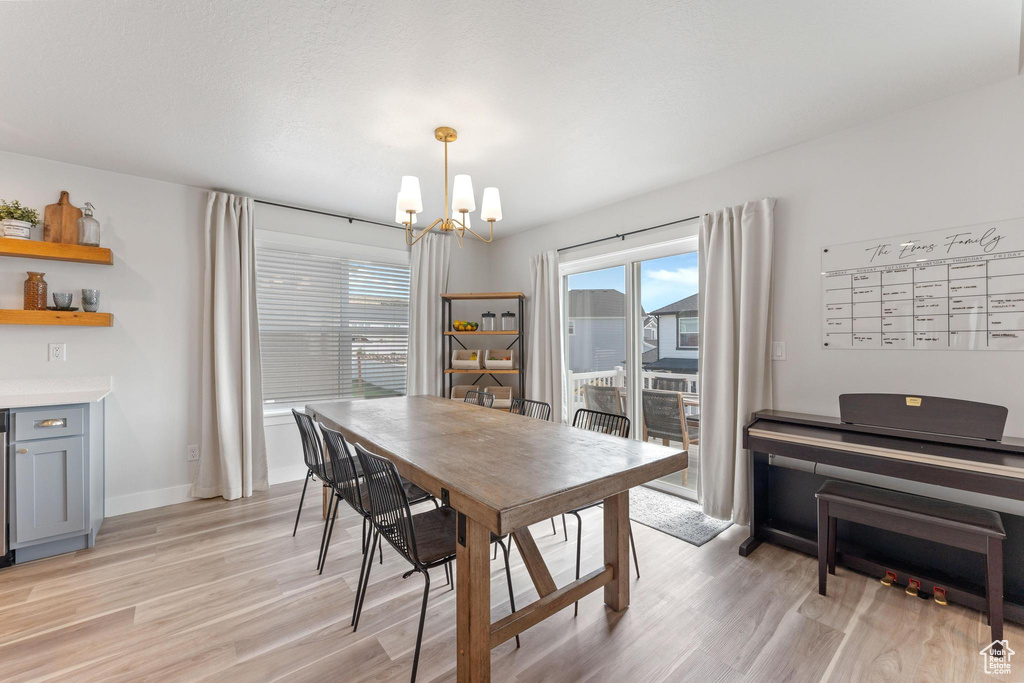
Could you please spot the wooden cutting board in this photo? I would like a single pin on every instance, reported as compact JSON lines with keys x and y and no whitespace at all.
{"x":60,"y":221}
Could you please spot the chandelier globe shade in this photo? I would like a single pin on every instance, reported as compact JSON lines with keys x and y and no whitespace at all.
{"x":401,"y":216}
{"x":490,"y":206}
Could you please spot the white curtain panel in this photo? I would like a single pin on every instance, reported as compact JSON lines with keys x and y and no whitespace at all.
{"x":544,"y":375}
{"x":428,"y":281}
{"x":233,"y":459}
{"x":735,"y":367}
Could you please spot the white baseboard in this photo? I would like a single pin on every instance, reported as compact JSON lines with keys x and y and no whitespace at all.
{"x":144,"y":500}
{"x":172,"y":495}
{"x":280,"y":475}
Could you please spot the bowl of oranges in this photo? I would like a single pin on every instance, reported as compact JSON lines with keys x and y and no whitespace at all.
{"x":465,"y":326}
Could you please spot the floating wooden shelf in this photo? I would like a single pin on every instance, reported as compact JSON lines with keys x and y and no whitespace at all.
{"x":482,"y":296}
{"x":54,"y":251}
{"x":483,"y":371}
{"x":509,"y":333}
{"x":80,"y":318}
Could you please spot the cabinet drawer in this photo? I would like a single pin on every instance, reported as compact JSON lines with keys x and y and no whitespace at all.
{"x":48,"y":487}
{"x":49,"y":423}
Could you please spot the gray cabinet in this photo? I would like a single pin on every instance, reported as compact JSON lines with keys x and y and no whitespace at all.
{"x":49,"y":478}
{"x":56,"y":479}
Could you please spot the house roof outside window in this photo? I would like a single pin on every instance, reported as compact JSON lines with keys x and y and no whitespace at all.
{"x":683,"y":306}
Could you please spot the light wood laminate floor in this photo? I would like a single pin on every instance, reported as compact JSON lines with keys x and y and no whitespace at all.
{"x":212,"y":590}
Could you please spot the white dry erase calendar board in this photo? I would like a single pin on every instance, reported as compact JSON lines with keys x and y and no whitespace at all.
{"x":959,"y":288}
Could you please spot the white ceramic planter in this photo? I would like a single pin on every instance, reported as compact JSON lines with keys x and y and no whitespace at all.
{"x":19,"y":230}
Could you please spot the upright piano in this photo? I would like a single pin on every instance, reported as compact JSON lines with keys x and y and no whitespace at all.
{"x":939,"y":447}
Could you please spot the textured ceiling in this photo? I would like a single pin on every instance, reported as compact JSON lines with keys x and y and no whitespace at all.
{"x":564,"y":106}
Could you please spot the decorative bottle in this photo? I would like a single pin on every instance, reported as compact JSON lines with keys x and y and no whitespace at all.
{"x":35,"y":292}
{"x":88,"y":227}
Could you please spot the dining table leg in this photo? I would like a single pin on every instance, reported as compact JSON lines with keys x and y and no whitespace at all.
{"x":616,"y":550}
{"x":473,"y":600}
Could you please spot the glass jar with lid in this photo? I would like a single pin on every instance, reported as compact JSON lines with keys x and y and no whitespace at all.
{"x":508,"y":321}
{"x":487,"y":321}
{"x":88,"y":228}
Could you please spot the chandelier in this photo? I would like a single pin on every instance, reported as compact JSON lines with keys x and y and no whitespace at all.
{"x":410,"y":202}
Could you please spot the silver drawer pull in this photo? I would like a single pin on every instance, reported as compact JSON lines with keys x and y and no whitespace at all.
{"x":53,"y":422}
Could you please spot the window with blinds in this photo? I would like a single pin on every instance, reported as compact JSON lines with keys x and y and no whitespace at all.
{"x":330,"y":327}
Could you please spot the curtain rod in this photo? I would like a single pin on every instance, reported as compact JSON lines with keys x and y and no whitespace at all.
{"x":624,"y":235}
{"x":327,"y":213}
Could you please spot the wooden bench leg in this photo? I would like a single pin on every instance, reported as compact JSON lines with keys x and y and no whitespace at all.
{"x":832,"y":545}
{"x":822,"y":545}
{"x":994,"y":586}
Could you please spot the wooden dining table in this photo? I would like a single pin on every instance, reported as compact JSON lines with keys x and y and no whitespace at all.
{"x":503,"y":472}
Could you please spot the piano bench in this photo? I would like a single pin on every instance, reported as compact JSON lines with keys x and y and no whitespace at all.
{"x":953,"y":524}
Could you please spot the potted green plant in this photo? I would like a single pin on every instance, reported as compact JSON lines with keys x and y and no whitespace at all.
{"x":16,"y":220}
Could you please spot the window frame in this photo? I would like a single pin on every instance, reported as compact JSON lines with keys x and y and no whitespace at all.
{"x":273,"y":239}
{"x":680,"y":333}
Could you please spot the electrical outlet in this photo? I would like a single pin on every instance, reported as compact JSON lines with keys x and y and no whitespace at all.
{"x":193,"y":453}
{"x":58,"y":352}
{"x":778,"y":350}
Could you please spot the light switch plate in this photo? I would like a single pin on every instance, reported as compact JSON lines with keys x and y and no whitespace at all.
{"x":778,"y":350}
{"x":58,"y":352}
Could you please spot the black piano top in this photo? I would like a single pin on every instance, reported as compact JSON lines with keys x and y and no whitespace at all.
{"x":1008,"y":444}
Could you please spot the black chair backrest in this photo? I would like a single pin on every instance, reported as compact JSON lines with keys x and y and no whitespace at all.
{"x":343,"y":468}
{"x":312,"y":451}
{"x":606,"y":423}
{"x":480,"y":398}
{"x":537,"y":409}
{"x":390,"y":515}
{"x":663,"y":415}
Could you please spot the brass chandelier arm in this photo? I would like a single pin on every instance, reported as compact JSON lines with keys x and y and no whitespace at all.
{"x":480,"y":237}
{"x":410,"y":235}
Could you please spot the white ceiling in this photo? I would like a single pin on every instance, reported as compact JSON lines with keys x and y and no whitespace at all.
{"x":564,"y":106}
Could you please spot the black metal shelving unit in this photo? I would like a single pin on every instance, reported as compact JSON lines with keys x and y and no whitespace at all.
{"x":450,"y":336}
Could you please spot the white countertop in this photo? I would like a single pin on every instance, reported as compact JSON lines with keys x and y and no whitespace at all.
{"x":53,"y":391}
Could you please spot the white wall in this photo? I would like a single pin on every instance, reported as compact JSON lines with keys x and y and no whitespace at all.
{"x":955,"y":162}
{"x":153,"y":289}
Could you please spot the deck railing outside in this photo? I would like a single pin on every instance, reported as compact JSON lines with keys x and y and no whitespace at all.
{"x":671,"y":381}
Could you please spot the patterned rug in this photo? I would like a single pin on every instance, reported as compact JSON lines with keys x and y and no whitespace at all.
{"x":674,"y":516}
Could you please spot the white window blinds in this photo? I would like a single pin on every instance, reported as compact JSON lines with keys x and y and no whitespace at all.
{"x":330,"y":327}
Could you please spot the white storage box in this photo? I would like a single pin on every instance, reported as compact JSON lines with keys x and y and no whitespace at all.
{"x":504,"y":359}
{"x":502,"y":397}
{"x":466,"y":359}
{"x":459,"y":391}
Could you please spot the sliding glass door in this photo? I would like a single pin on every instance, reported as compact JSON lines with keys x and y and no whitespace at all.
{"x":630,"y":338}
{"x":670,"y":402}
{"x":596,"y":340}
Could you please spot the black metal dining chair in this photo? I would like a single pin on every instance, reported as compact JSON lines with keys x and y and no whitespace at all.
{"x":605,"y":423}
{"x":529,"y":408}
{"x":479,"y":398}
{"x":426,"y":540}
{"x":312,"y":453}
{"x":346,"y":482}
